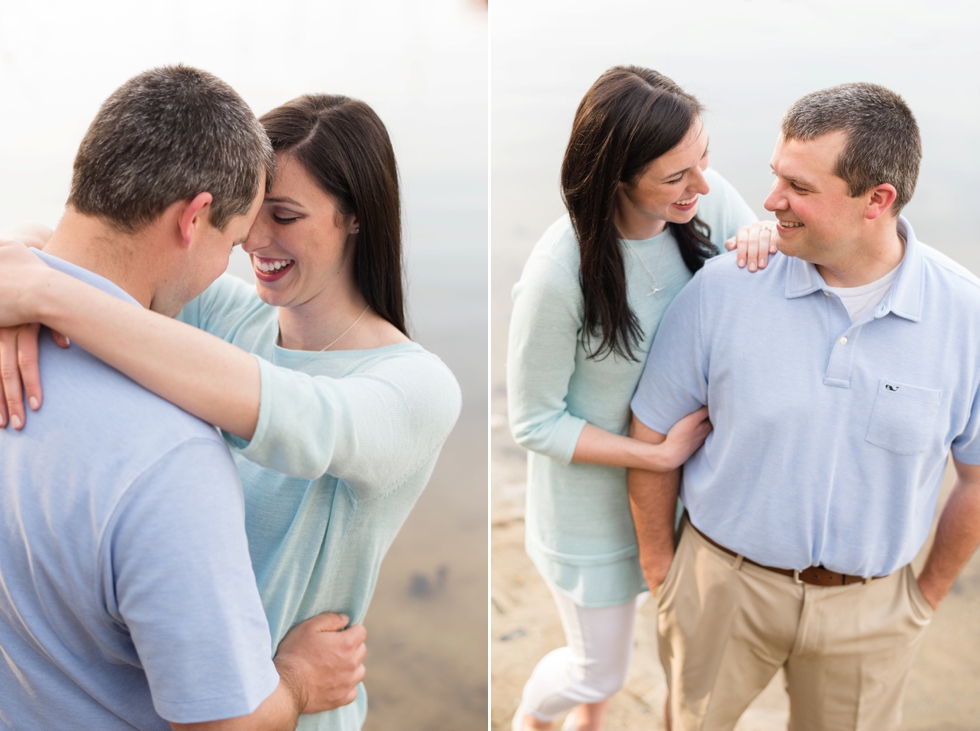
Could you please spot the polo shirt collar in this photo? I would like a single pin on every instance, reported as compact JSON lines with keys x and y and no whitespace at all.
{"x":905,"y":296}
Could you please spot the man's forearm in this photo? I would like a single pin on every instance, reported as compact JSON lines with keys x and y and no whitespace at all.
{"x":957,"y":536}
{"x":653,"y":501}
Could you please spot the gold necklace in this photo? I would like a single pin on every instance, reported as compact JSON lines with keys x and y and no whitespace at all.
{"x":335,"y":339}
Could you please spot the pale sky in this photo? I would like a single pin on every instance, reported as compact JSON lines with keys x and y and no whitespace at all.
{"x":421,"y":65}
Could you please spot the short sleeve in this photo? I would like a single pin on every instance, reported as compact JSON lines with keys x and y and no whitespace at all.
{"x":178,"y":577}
{"x":222,"y":305}
{"x":545,"y":328}
{"x":966,"y":445}
{"x":675,"y":378}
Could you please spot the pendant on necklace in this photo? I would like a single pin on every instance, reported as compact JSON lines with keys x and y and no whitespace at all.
{"x":654,"y":291}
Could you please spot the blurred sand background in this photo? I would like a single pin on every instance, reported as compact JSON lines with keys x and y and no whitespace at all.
{"x":423,"y":67}
{"x":746,"y":60}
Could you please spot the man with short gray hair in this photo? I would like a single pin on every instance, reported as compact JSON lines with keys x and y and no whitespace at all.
{"x":834,"y":415}
{"x":128,"y":598}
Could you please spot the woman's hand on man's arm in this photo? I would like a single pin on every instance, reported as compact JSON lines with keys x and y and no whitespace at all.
{"x":598,"y":446}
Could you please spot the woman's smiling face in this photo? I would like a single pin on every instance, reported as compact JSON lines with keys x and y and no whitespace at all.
{"x":667,"y":189}
{"x":299,"y":241}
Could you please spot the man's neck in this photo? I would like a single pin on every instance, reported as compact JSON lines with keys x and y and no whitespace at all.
{"x":870,"y":259}
{"x":96,"y":246}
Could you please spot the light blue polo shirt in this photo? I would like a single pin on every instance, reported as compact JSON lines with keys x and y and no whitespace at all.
{"x":830,"y":438}
{"x":126,"y":592}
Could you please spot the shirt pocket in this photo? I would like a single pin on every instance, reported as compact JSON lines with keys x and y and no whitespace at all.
{"x":903,"y":417}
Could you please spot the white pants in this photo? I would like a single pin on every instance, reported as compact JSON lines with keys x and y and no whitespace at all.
{"x":591,"y":668}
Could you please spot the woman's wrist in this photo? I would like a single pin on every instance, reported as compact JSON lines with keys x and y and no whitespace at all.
{"x":33,"y":235}
{"x":41,"y":294}
{"x":657,"y":457}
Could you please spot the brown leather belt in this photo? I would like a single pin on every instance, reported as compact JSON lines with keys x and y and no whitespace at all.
{"x":816,"y":575}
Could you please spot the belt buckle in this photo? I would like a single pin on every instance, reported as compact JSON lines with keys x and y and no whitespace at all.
{"x":796,"y":576}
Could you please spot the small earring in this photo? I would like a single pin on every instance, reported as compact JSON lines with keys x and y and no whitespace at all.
{"x":357,"y":230}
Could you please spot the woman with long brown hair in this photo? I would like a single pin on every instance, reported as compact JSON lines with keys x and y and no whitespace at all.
{"x":335,"y":416}
{"x":644,"y":213}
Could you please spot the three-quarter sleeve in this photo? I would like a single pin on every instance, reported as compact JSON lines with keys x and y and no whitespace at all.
{"x":372,"y":429}
{"x":544,"y":332}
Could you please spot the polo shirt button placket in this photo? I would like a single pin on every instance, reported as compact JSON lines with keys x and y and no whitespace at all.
{"x":842,"y":354}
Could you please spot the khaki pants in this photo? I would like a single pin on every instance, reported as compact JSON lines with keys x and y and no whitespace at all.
{"x":727,"y":626}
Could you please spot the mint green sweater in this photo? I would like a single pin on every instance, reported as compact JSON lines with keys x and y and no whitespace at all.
{"x":579,"y":532}
{"x":343,"y":447}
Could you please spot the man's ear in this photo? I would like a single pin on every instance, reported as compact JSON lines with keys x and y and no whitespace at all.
{"x":195,"y":214}
{"x":880,"y":199}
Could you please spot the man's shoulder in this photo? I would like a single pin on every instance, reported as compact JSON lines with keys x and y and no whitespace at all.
{"x":100,"y":441}
{"x":724,"y":295}
{"x":722,"y":271}
{"x":83,"y":395}
{"x":722,"y":265}
{"x":962,"y":280}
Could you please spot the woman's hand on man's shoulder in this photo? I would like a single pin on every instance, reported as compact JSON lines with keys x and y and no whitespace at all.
{"x":755,"y":243}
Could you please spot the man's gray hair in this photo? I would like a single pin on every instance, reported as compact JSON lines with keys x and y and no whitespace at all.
{"x":883,"y":144}
{"x":164,"y":136}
